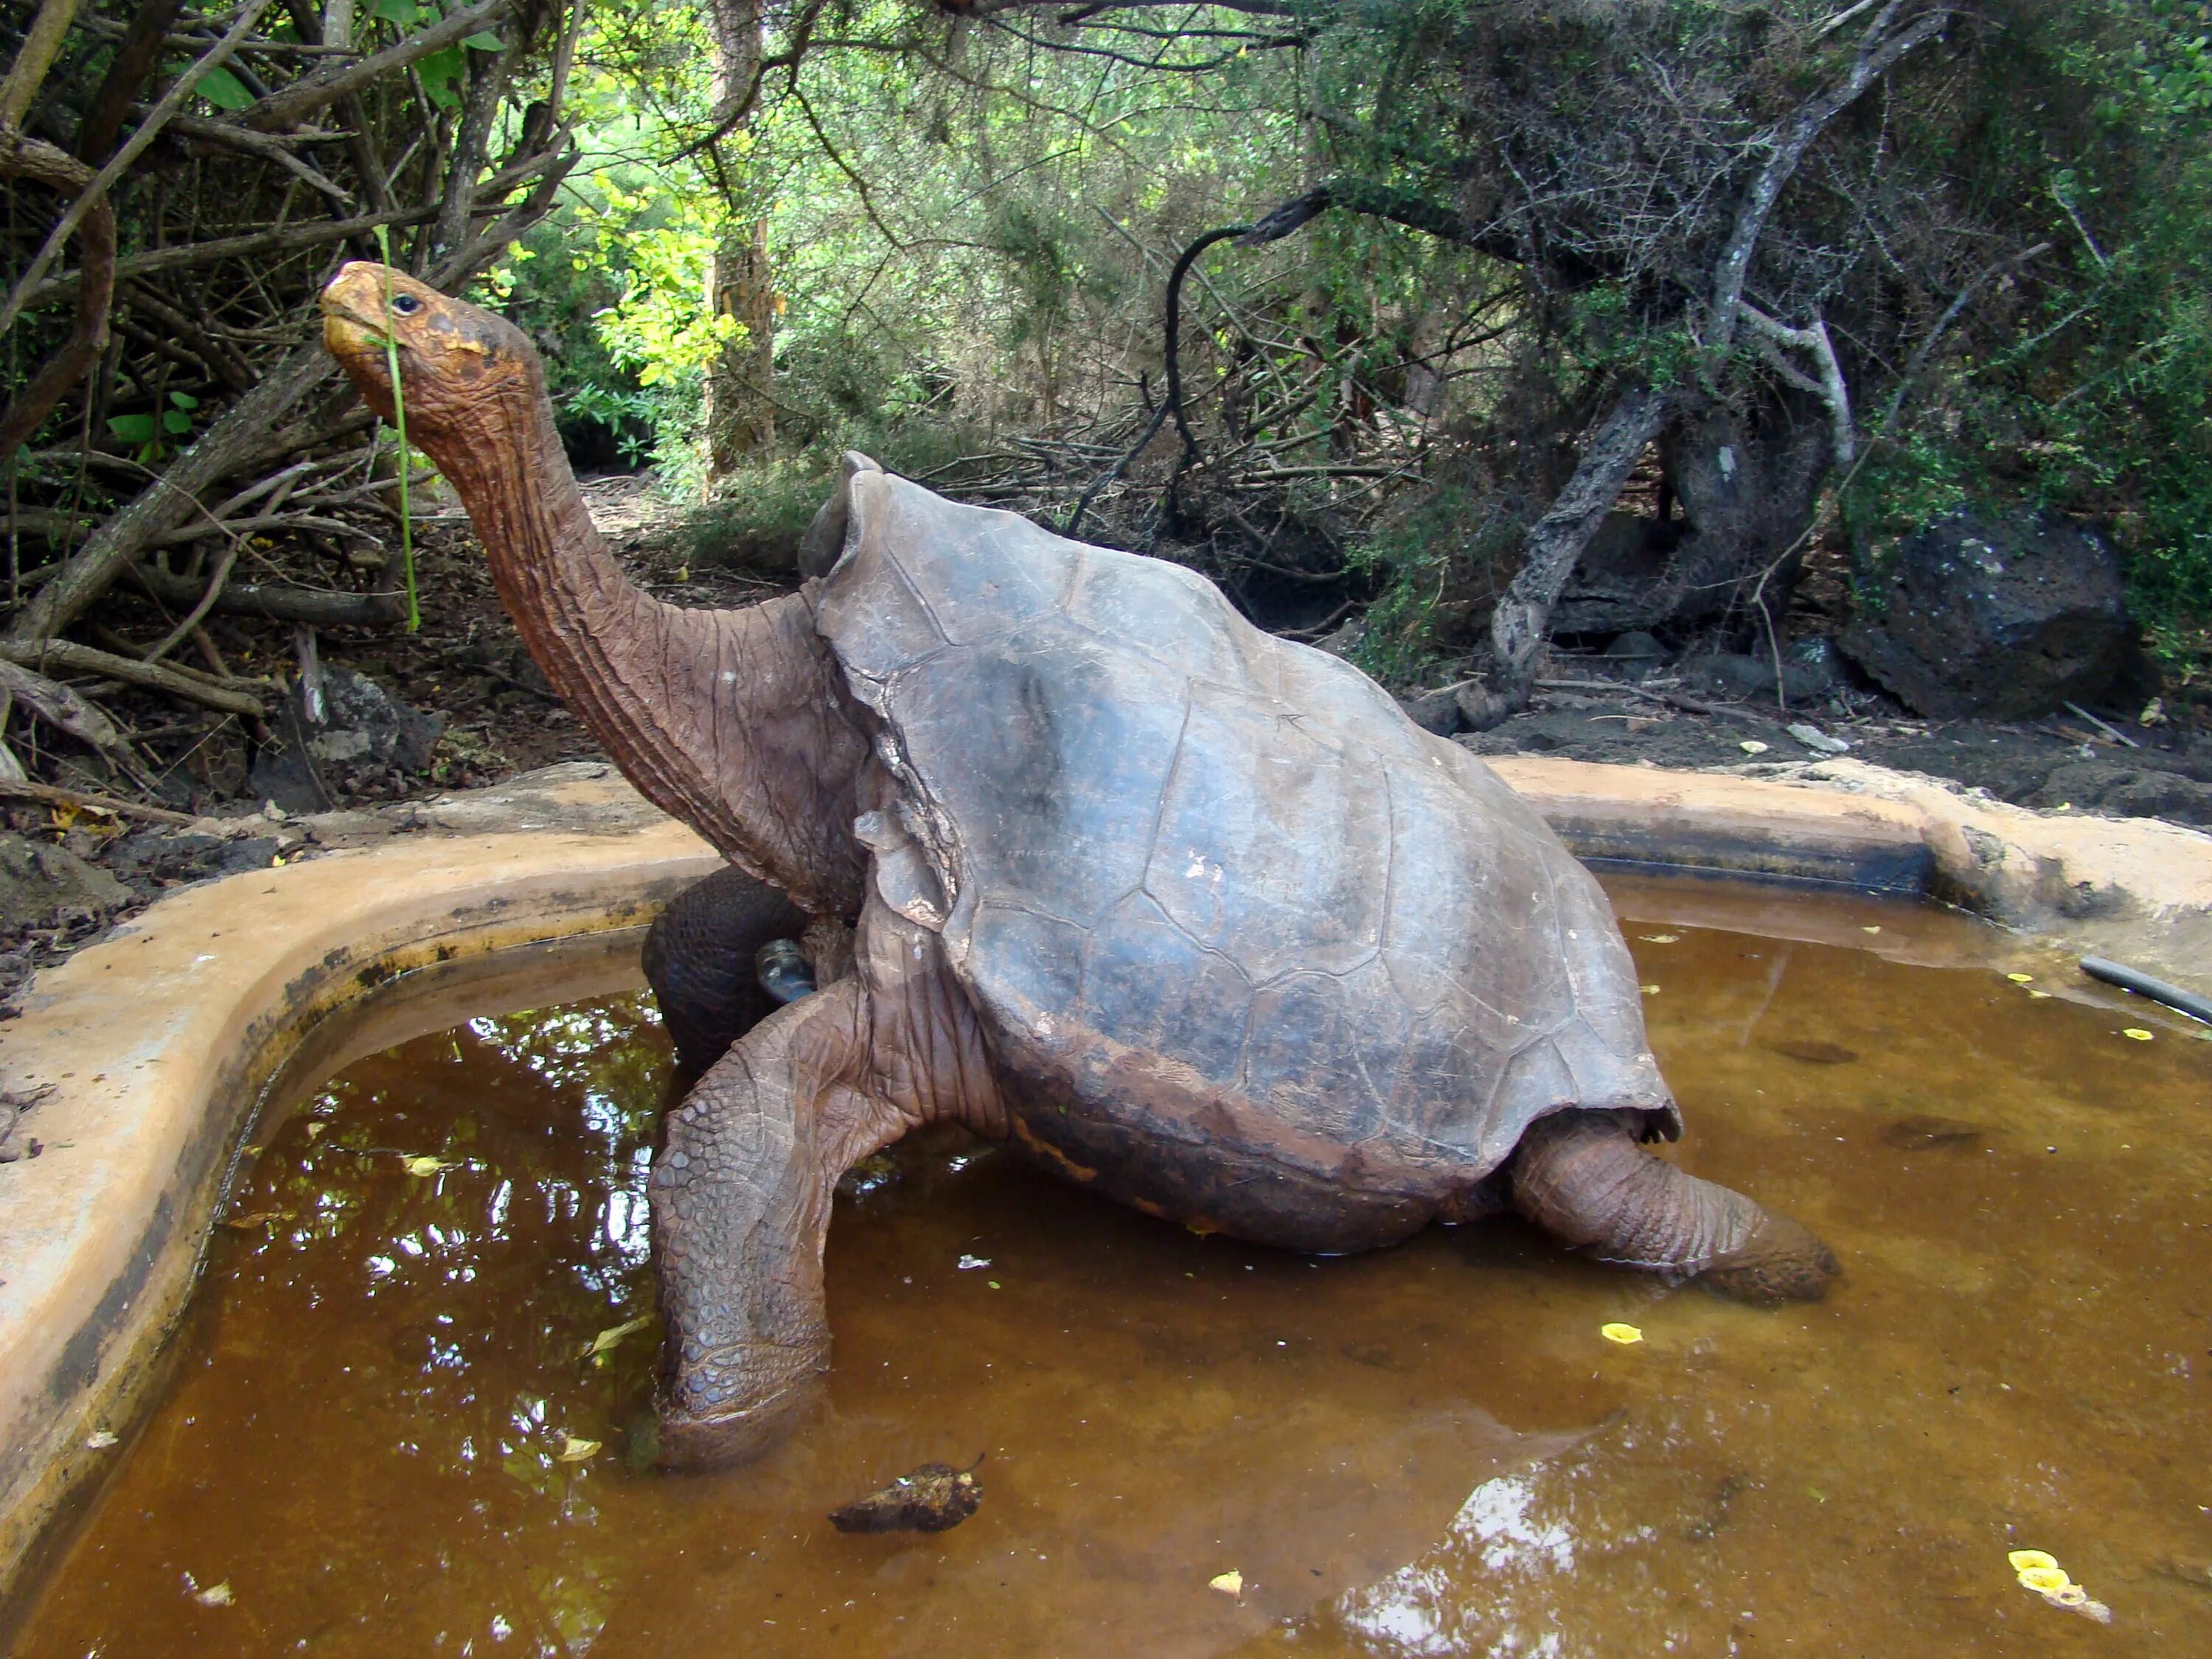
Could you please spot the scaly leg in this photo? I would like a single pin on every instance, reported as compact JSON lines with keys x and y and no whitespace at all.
{"x":1583,"y":1176}
{"x":741,"y":1194}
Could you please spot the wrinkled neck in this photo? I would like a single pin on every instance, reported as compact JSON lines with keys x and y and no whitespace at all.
{"x":735,"y":721}
{"x":583,"y":620}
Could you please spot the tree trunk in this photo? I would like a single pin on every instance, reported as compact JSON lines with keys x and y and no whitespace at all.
{"x":740,"y":412}
{"x":1555,"y":543}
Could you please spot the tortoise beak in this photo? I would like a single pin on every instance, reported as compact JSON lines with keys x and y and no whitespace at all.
{"x":354,"y":330}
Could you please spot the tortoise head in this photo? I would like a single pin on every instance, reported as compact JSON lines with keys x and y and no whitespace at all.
{"x":463,"y":371}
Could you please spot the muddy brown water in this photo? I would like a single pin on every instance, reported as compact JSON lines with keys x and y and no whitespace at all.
{"x":1426,"y":1450}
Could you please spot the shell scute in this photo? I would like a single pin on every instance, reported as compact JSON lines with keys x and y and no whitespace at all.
{"x":1051,"y":750}
{"x":1332,"y":1044}
{"x":1249,"y":785}
{"x":1153,"y":987}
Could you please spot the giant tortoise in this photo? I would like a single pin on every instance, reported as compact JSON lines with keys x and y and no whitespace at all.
{"x":1188,"y":913}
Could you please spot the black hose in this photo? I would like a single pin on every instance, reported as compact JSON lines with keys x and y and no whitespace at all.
{"x":2143,"y":985}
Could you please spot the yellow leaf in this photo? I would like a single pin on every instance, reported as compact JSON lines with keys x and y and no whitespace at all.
{"x":1649,"y":990}
{"x":2041,"y":996}
{"x":2021,"y":979}
{"x":2021,"y":1560}
{"x":574,"y":1449}
{"x":315,"y":1129}
{"x":2044,"y":1581}
{"x":2137,"y":1033}
{"x":1229,"y":1583}
{"x":1660,"y":938}
{"x":1869,"y":930}
{"x":426,"y":1166}
{"x":1624,"y":1334}
{"x":215,"y":1595}
{"x":607,"y":1341}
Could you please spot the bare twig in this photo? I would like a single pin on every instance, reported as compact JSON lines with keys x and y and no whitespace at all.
{"x":149,"y":130}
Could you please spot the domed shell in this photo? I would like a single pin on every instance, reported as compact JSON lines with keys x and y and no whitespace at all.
{"x":1253,"y":949}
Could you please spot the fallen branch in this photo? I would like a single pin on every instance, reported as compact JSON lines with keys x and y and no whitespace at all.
{"x":48,"y":794}
{"x":317,"y":606}
{"x":72,"y":658}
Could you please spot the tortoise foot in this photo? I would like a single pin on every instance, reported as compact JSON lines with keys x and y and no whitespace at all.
{"x":1783,"y":1261}
{"x":718,"y":1416}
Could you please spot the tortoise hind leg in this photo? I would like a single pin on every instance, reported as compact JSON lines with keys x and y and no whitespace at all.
{"x":741,"y":1196}
{"x":1585,"y":1177}
{"x":699,"y":959}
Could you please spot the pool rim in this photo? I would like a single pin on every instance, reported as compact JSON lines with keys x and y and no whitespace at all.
{"x":101,"y":1239}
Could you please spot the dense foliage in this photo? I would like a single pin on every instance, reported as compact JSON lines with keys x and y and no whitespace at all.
{"x":1900,"y":257}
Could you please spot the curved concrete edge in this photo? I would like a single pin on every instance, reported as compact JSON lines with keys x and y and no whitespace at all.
{"x":2137,"y":889}
{"x":101,"y":1237}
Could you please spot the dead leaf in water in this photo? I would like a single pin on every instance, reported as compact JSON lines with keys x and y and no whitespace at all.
{"x":607,"y":1341}
{"x":1624,"y":1334}
{"x":1229,"y":1583}
{"x":1816,"y":1054}
{"x":2137,"y":1034}
{"x":935,"y":1497}
{"x":1660,"y":938}
{"x":98,"y":1440}
{"x":1927,"y":1133}
{"x":427,"y":1165}
{"x":253,"y":1219}
{"x":215,"y":1595}
{"x":576,"y":1449}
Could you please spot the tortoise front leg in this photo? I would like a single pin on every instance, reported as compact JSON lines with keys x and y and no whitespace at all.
{"x":741,"y":1196}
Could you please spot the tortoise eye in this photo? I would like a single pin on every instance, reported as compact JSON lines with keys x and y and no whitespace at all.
{"x":406,"y":304}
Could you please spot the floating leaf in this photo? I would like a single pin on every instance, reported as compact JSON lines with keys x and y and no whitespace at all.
{"x":1751,"y":746}
{"x":1649,"y":990}
{"x":1660,"y":938}
{"x":2044,"y":1581}
{"x":967,"y":1262}
{"x":2021,"y":1560}
{"x":2021,"y":979}
{"x":1229,"y":1583}
{"x":1624,"y":1334}
{"x":427,"y":1165}
{"x":2137,"y":1033}
{"x":607,"y":1341}
{"x":98,"y":1440}
{"x":1869,"y":930}
{"x":576,"y":1449}
{"x":316,"y":1129}
{"x":993,"y":1283}
{"x":215,"y":1595}
{"x":2040,"y":996}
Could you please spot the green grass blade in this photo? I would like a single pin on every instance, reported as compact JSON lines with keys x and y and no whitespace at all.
{"x":399,"y":422}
